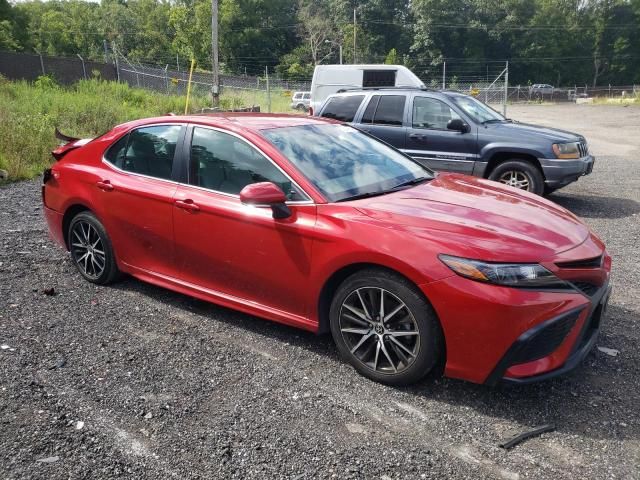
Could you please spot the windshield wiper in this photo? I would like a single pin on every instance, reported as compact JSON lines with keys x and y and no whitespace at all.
{"x":363,"y":195}
{"x":400,"y":186}
{"x":408,"y":183}
{"x":497,"y":120}
{"x":493,"y":120}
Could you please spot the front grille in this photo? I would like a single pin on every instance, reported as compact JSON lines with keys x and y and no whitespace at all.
{"x":583,"y":149}
{"x":544,"y":341}
{"x":589,"y":289}
{"x":595,"y":262}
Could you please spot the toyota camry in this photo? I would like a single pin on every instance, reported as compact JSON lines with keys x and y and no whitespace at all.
{"x":317,"y":225}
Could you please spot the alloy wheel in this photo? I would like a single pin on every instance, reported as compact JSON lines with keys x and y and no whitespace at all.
{"x":379,"y":330}
{"x":87,"y":249}
{"x":515,"y":178}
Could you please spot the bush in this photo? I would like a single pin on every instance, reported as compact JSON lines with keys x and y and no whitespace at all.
{"x":30,"y":112}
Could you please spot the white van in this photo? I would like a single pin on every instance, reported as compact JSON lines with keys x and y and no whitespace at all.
{"x":328,"y":79}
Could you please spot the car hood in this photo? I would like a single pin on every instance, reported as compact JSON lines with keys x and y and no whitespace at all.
{"x":511,"y":129}
{"x":466,"y":215}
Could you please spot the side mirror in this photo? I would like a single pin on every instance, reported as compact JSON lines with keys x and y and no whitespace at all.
{"x":266,"y":194}
{"x":458,"y":125}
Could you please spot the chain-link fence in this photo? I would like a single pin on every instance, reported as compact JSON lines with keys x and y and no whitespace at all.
{"x":236,"y":91}
{"x":65,"y":70}
{"x":489,"y":83}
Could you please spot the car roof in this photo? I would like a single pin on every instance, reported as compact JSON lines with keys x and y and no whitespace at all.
{"x":237,"y":120}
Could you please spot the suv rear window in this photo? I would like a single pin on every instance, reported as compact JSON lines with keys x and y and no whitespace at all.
{"x":342,"y":108}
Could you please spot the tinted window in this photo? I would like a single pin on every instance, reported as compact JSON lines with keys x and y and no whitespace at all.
{"x":306,"y":96}
{"x":342,"y":161}
{"x":149,"y":151}
{"x":343,"y":108}
{"x":431,"y":113}
{"x":115,"y":155}
{"x":390,"y":110}
{"x":379,"y":78}
{"x":367,"y":116}
{"x":224,"y":163}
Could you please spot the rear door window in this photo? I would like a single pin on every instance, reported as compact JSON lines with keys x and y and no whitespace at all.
{"x":390,"y":110}
{"x":115,"y":154}
{"x":342,"y":108}
{"x":367,"y":116}
{"x":147,"y":151}
{"x":150,"y":150}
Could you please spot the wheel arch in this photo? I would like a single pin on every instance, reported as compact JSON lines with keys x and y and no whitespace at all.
{"x":498,"y":157}
{"x":69,"y":213}
{"x":332,"y":283}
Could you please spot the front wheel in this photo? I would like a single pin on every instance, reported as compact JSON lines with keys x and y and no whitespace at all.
{"x":91,"y":249}
{"x":519,"y":174}
{"x":385,"y":328}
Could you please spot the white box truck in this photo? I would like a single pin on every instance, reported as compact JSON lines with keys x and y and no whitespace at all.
{"x":328,"y":79}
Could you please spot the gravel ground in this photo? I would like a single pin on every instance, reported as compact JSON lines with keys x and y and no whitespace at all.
{"x":134,"y":381}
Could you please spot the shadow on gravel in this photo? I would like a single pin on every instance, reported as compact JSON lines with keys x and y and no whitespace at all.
{"x":321,"y":344}
{"x":591,"y":401}
{"x":596,"y":206}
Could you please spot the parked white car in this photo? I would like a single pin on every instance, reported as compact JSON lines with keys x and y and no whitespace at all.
{"x":329,"y":79}
{"x":301,"y":100}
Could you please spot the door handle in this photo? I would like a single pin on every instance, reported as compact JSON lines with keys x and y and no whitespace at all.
{"x":104,"y":185}
{"x":418,"y":136}
{"x":187,"y":205}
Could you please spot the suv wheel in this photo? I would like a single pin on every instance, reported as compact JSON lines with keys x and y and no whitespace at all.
{"x":385,"y":328}
{"x":519,"y":174}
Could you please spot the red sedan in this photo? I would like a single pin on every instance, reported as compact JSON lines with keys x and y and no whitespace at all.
{"x":318,"y":225}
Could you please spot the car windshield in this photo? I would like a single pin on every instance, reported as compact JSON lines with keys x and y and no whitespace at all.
{"x":345,"y":163}
{"x":477,"y":110}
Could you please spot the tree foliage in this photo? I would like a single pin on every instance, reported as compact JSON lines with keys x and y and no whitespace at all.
{"x":562,"y":42}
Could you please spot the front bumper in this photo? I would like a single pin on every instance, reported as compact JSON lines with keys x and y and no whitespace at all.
{"x":582,"y":345}
{"x":560,"y":172}
{"x":495,"y":333}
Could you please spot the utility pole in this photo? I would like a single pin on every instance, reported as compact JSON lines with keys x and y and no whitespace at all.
{"x":215,"y":89}
{"x":506,"y":89}
{"x":266,"y":74}
{"x":106,"y":51}
{"x":354,"y":35}
{"x":444,"y":75}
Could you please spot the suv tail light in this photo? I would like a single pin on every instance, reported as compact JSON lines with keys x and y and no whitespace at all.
{"x":311,"y":111}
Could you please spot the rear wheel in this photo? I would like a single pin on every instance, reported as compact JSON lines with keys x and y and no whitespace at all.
{"x":519,"y":174}
{"x":385,"y":328}
{"x":91,"y":249}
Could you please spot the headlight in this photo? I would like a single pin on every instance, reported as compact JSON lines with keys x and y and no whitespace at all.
{"x":566,"y":150}
{"x":507,"y":274}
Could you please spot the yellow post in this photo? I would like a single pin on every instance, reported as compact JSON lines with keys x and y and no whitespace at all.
{"x":186,"y":105}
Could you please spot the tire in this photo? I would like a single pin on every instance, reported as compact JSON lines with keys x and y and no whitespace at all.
{"x":85,"y":236}
{"x":415,"y":326}
{"x":518,"y":172}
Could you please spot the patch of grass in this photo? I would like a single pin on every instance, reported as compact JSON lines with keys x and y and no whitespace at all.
{"x":29,"y":112}
{"x":628,"y":100}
